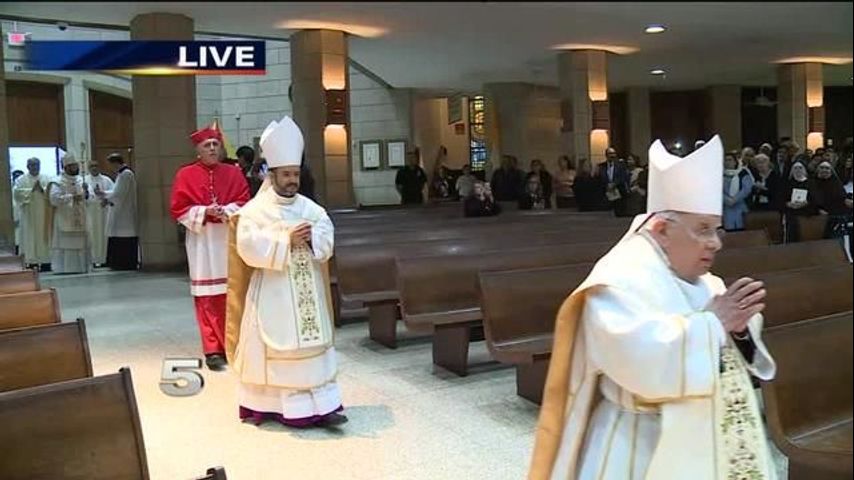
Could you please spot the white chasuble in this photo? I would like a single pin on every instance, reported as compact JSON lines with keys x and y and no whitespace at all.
{"x":33,"y":210}
{"x":96,"y":217}
{"x":286,"y":330}
{"x":654,"y":389}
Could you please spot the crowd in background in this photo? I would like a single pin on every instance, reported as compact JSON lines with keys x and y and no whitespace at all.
{"x":786,"y":178}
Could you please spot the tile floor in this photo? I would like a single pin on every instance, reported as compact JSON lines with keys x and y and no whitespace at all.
{"x":407,"y":421}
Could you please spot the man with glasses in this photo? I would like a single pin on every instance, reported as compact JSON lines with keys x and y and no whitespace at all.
{"x":650,"y":369}
{"x":205,"y":194}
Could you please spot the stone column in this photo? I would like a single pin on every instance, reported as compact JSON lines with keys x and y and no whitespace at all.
{"x":523,"y":120}
{"x":640,"y":130}
{"x":319,"y":63}
{"x":724,"y":116}
{"x":164,"y":114}
{"x":799,"y":87}
{"x":7,"y":225}
{"x":583,"y":80}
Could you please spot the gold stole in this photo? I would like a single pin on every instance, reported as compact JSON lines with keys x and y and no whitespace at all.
{"x":740,"y":441}
{"x":304,"y":290}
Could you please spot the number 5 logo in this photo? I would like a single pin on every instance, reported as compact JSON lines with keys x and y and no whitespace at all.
{"x":177,"y":369}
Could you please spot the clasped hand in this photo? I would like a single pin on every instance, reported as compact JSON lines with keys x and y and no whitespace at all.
{"x":301,"y":234}
{"x":741,"y":301}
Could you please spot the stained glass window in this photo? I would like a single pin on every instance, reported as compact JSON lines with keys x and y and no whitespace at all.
{"x":477,"y":134}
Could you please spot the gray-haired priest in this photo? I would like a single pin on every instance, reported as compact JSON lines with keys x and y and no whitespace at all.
{"x":279,"y":323}
{"x":650,"y":372}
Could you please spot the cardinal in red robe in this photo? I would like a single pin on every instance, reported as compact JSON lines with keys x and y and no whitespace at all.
{"x":205,"y":193}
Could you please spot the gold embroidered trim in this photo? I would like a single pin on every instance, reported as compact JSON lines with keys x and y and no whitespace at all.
{"x":301,"y":274}
{"x":739,"y":426}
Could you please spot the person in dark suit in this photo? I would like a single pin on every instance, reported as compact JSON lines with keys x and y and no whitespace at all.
{"x":410,"y":180}
{"x":615,"y":178}
{"x":508,"y":181}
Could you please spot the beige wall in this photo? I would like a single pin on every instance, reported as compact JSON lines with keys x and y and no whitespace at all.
{"x":431,"y":130}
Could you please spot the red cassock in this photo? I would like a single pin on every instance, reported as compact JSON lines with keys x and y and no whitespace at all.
{"x":198,"y":186}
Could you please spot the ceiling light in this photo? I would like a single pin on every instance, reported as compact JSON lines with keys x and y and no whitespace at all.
{"x":655,"y":28}
{"x":616,"y":49}
{"x":827,"y":60}
{"x":364,"y":31}
{"x":657,"y":71}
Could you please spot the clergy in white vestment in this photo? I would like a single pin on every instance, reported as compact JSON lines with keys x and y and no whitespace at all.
{"x":96,"y":212}
{"x":649,"y":377}
{"x":279,"y":332}
{"x":69,"y":252}
{"x":30,"y":194}
{"x":122,"y":226}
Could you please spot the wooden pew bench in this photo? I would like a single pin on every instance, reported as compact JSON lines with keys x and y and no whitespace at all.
{"x":28,"y":309}
{"x":809,"y":404}
{"x":770,"y":221}
{"x":440,"y":294}
{"x":519,"y":310}
{"x":735,"y":261}
{"x":78,"y":429}
{"x":369,"y":274}
{"x":33,"y":356}
{"x":11,"y":263}
{"x":17,"y":282}
{"x":795,"y":295}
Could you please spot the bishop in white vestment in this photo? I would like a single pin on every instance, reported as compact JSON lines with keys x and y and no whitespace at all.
{"x":30,"y":194}
{"x":279,"y":332}
{"x":96,"y":212}
{"x":649,"y":374}
{"x":68,"y":246}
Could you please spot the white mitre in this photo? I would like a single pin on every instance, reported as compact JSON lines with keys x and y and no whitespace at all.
{"x":69,"y":159}
{"x":691,"y":184}
{"x":282,"y":144}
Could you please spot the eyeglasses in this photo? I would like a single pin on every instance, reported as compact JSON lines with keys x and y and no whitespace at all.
{"x":705,"y":235}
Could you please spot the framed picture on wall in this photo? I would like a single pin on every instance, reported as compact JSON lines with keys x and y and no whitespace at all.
{"x":396,"y":153}
{"x":370,"y":151}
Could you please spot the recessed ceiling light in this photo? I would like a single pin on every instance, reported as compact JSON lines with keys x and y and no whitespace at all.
{"x":657,"y":71}
{"x":655,"y":28}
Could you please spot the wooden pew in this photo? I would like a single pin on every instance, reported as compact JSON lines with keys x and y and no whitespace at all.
{"x":809,"y":404}
{"x":517,"y":330}
{"x":519,"y":310}
{"x":795,"y":295}
{"x":17,"y":282}
{"x":746,"y":238}
{"x":78,"y":429}
{"x":440,"y":294}
{"x":811,"y":228}
{"x":11,"y":263}
{"x":29,"y":309}
{"x":770,"y":221}
{"x":436,"y":231}
{"x":368,"y":274}
{"x":33,"y":356}
{"x":730,"y":262}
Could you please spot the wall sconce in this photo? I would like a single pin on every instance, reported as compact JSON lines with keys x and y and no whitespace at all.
{"x":816,"y":119}
{"x":336,"y":107}
{"x":815,"y":127}
{"x":600,"y":115}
